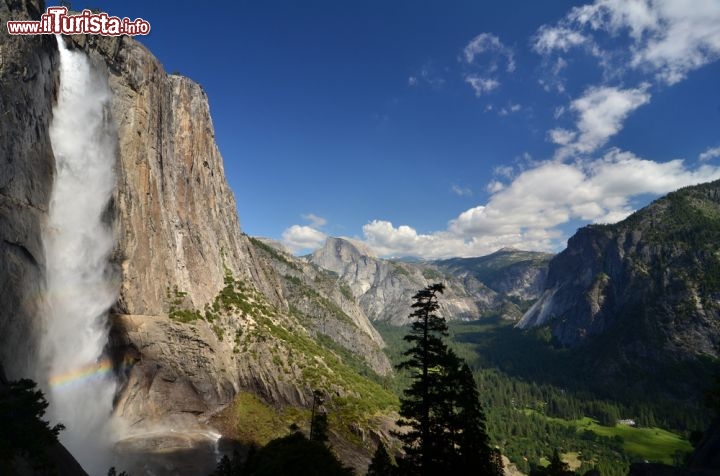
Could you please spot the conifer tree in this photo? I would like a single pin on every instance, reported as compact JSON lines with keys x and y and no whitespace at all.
{"x":318,"y":419}
{"x":320,"y":428}
{"x":420,"y":405}
{"x":295,"y":455}
{"x":381,"y":464}
{"x":23,"y":432}
{"x":441,"y":409}
{"x":224,"y":468}
{"x":712,"y":397}
{"x":473,"y":443}
{"x":557,"y":467}
{"x":227,"y":466}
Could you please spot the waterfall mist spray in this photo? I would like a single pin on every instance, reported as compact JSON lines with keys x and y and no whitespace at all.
{"x":80,"y":284}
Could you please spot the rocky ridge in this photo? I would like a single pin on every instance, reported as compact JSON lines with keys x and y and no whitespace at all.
{"x":383,"y":288}
{"x":638,"y":302}
{"x":654,"y":276}
{"x":514,"y":273}
{"x":325,"y":304}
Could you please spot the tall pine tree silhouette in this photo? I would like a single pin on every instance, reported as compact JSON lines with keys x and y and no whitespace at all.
{"x":420,"y":406}
{"x":440,"y":410}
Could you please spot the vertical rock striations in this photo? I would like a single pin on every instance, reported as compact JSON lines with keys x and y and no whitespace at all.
{"x":176,"y":228}
{"x":181,"y":252}
{"x":177,"y":221}
{"x":654,"y":278}
{"x":28,"y":86}
{"x":325,"y":304}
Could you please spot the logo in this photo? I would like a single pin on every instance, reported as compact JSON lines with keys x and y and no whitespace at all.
{"x":57,"y":21}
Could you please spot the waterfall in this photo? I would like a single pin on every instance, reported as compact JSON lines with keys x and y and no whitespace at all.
{"x":80,"y":283}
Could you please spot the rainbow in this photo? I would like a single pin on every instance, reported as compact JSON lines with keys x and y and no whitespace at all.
{"x":86,"y":373}
{"x":82,"y":374}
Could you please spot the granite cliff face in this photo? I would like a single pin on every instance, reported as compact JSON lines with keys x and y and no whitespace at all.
{"x":28,"y":86}
{"x":180,"y":248}
{"x":204,"y":311}
{"x":325,"y":304}
{"x":176,"y":217}
{"x":650,"y":283}
{"x":176,"y":227}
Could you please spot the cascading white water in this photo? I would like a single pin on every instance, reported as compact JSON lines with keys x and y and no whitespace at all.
{"x":80,"y":284}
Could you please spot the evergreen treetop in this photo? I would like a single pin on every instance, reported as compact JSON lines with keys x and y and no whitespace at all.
{"x":381,"y":464}
{"x":440,"y":410}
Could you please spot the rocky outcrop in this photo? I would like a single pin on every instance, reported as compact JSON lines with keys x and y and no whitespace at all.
{"x":59,"y":461}
{"x":325,"y":305}
{"x":707,"y":452}
{"x":174,"y":217}
{"x":171,"y":369}
{"x":28,"y":79}
{"x":497,"y":284}
{"x":653,"y":280}
{"x":385,"y":288}
{"x":177,"y":234}
{"x":58,"y":458}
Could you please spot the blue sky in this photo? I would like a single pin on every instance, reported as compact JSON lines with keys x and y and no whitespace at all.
{"x":437,"y":128}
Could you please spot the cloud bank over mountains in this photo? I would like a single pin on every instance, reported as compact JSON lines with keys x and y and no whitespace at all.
{"x":587,"y":179}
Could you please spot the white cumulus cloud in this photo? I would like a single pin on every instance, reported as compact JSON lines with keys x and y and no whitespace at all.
{"x":710,"y":153}
{"x":505,"y":170}
{"x":300,"y":237}
{"x":528,"y":212}
{"x":495,"y":186}
{"x":549,"y":39}
{"x":461,"y":191}
{"x":561,"y":136}
{"x":509,"y":109}
{"x":483,"y":74}
{"x":600,"y":113}
{"x":668,"y":38}
{"x":489,"y":43}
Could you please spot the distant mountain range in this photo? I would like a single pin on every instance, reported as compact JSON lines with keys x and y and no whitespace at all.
{"x":639,"y":300}
{"x":498,"y":284}
{"x":652,"y":281}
